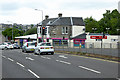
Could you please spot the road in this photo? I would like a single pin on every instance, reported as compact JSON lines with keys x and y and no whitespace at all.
{"x":16,"y":64}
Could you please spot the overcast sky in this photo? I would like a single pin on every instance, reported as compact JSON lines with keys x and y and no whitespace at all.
{"x":22,"y":11}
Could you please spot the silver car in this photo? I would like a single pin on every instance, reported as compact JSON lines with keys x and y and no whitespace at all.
{"x":28,"y":46}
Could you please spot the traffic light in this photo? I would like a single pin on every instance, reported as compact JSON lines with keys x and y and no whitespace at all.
{"x":44,"y":30}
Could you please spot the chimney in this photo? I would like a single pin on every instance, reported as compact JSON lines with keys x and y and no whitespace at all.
{"x":46,"y":17}
{"x":60,"y":15}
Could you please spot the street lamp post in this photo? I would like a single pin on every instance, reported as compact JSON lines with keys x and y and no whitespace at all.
{"x":41,"y":26}
{"x":117,"y":31}
{"x":12,"y":28}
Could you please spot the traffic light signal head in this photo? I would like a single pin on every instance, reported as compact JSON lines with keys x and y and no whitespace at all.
{"x":43,"y":27}
{"x":44,"y":30}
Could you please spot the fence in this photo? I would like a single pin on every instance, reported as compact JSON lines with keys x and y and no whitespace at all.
{"x":111,"y":49}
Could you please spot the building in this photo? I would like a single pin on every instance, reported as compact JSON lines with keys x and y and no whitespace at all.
{"x":22,"y":39}
{"x":96,"y":40}
{"x":61,"y":31}
{"x":64,"y":30}
{"x":119,"y":6}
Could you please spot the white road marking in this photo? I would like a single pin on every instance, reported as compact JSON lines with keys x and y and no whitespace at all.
{"x":118,"y":78}
{"x":30,"y":54}
{"x":45,"y":57}
{"x":3,"y":56}
{"x":20,"y":64}
{"x":33,"y":73}
{"x":63,"y":62}
{"x":62,"y":56}
{"x":89,"y":69}
{"x":29,"y":58}
{"x":10,"y":59}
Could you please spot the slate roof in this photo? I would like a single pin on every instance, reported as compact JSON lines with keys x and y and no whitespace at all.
{"x":81,"y":36}
{"x":63,"y":21}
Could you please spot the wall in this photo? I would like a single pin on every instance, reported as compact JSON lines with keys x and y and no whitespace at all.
{"x":2,"y":38}
{"x":105,"y":43}
{"x":56,"y":32}
{"x":77,"y":30}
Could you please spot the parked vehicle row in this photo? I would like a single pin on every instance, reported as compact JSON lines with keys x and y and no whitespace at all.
{"x":8,"y":45}
{"x":40,"y":48}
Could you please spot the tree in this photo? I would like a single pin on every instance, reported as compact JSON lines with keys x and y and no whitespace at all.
{"x":32,"y":25}
{"x":31,"y":31}
{"x":8,"y":32}
{"x":110,"y":20}
{"x":90,"y":23}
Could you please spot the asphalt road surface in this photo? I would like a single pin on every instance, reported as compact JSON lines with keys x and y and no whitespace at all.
{"x":16,"y":64}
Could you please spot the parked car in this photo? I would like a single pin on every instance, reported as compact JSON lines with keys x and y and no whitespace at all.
{"x":6,"y":45}
{"x":28,"y":46}
{"x":2,"y":46}
{"x":16,"y":46}
{"x":44,"y":47}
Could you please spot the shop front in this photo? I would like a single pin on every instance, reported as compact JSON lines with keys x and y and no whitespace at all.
{"x":60,"y":42}
{"x":79,"y":42}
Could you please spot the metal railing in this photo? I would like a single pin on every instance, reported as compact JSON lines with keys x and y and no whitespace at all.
{"x":111,"y":49}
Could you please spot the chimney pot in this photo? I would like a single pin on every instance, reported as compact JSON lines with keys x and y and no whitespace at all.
{"x":46,"y":17}
{"x":60,"y":15}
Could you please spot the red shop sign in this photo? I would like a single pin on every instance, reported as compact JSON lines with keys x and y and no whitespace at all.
{"x":98,"y":37}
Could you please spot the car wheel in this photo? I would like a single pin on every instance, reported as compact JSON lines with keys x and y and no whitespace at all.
{"x":5,"y":48}
{"x":41,"y":53}
{"x":35,"y":53}
{"x":25,"y":51}
{"x":52,"y":53}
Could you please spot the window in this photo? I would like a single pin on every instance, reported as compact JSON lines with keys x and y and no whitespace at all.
{"x":64,"y":30}
{"x":98,"y":39}
{"x":83,"y":29}
{"x":59,"y":42}
{"x":114,"y":39}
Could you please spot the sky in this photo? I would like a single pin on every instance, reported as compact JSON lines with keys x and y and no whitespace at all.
{"x":23,"y":11}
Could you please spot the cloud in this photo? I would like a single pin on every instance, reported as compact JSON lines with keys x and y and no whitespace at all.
{"x":22,"y":11}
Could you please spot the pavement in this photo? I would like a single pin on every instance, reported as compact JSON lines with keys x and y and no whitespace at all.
{"x":16,"y":64}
